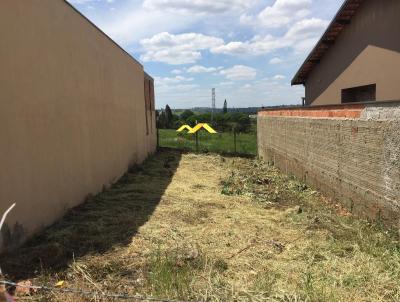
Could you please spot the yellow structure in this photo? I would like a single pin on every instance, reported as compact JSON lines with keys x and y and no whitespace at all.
{"x":198,"y":127}
{"x":184,"y":127}
{"x":203,"y":126}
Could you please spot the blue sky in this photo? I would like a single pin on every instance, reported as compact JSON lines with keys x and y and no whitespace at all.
{"x":248,"y":50}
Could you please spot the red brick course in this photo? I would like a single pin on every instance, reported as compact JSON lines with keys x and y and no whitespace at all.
{"x":340,"y":111}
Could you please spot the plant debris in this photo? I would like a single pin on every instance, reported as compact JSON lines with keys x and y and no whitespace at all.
{"x":211,"y":228}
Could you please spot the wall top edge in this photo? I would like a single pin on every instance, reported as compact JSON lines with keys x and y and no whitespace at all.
{"x":132,"y":58}
{"x":360,"y":105}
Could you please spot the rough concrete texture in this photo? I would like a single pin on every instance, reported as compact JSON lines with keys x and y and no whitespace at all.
{"x":72,"y":113}
{"x":353,"y":161}
{"x":389,"y":111}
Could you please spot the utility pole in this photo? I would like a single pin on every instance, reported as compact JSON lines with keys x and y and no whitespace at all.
{"x":212,"y":104}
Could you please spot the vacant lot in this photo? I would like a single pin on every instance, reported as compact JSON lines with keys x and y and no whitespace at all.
{"x":246,"y":143}
{"x":210,"y":228}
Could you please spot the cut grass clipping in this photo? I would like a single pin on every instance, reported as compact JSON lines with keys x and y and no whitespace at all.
{"x":210,"y":228}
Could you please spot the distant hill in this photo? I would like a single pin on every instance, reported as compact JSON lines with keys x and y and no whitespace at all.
{"x":248,"y":110}
{"x":200,"y":110}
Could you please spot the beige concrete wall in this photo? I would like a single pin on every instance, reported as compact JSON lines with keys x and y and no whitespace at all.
{"x":72,"y":113}
{"x":366,"y":52}
{"x":354,"y":161}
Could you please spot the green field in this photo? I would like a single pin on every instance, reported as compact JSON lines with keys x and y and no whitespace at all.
{"x":246,"y":143}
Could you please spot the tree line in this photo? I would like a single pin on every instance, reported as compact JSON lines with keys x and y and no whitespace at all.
{"x":223,"y":122}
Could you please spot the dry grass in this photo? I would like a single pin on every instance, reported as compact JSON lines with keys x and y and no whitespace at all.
{"x":217,"y":229}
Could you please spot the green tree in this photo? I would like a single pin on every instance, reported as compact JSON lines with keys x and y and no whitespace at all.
{"x":245,"y":122}
{"x":175,"y":124}
{"x":186,"y":114}
{"x":169,"y":118}
{"x":225,"y":108}
{"x":191,"y":120}
{"x":161,"y":120}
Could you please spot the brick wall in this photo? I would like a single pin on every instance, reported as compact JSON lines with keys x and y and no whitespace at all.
{"x":355,"y":159}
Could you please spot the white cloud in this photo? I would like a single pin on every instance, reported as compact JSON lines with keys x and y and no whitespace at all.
{"x":179,"y":91}
{"x":226,"y":83}
{"x":232,"y":48}
{"x":281,"y":13}
{"x":275,"y":61}
{"x":239,"y":73}
{"x":130,"y":22}
{"x":177,"y":49}
{"x":198,"y":6}
{"x":300,"y":37}
{"x":166,"y":81}
{"x":88,"y":1}
{"x":305,"y":33}
{"x":176,"y":71}
{"x":279,"y":77}
{"x":201,"y":69}
{"x":173,"y":87}
{"x":80,"y":1}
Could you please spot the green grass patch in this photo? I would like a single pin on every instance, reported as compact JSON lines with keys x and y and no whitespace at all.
{"x":246,"y":143}
{"x":171,"y":274}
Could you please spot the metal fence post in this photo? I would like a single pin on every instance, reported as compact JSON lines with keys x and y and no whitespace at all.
{"x":158,"y":139}
{"x":234,"y":140}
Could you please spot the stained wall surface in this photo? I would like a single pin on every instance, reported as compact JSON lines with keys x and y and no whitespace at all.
{"x":72,"y":113}
{"x":149,"y":97}
{"x":366,"y":52}
{"x":355,"y":160}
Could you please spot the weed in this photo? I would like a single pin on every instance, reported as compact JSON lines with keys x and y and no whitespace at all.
{"x":266,"y":281}
{"x":170,"y":275}
{"x":221,"y":265}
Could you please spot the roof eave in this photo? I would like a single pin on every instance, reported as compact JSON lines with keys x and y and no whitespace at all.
{"x":295,"y":82}
{"x":299,"y":79}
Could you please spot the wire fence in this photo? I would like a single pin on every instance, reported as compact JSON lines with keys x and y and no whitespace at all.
{"x":235,"y":143}
{"x":5,"y":292}
{"x":225,"y":143}
{"x":85,"y":293}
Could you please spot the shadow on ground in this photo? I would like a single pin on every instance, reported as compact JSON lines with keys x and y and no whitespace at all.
{"x":207,"y":152}
{"x":107,"y":220}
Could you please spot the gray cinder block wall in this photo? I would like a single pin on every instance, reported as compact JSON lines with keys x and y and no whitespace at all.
{"x":353,"y":160}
